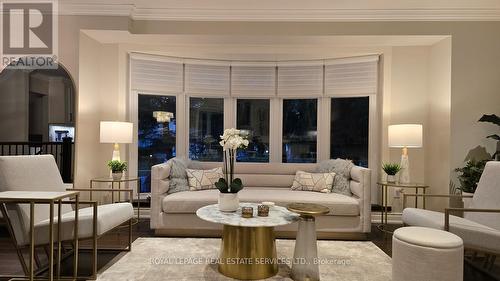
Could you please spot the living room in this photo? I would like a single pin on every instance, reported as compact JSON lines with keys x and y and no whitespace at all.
{"x":303,"y":116}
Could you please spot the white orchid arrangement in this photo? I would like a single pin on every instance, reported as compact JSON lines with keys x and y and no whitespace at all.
{"x":231,"y":140}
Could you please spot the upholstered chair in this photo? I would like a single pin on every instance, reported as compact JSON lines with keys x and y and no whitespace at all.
{"x":40,"y":173}
{"x":480,"y":226}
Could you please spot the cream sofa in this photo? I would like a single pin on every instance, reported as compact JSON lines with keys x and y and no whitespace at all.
{"x":174,"y":214}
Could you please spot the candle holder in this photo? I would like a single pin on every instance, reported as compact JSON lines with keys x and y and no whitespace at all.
{"x":263,"y":210}
{"x":246,"y":212}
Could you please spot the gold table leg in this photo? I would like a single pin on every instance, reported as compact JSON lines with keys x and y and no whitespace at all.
{"x":248,"y":253}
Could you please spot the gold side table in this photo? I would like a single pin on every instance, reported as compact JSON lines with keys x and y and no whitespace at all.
{"x":384,"y":185}
{"x":305,"y":255}
{"x":119,"y":183}
{"x":248,"y":250}
{"x":42,"y":197}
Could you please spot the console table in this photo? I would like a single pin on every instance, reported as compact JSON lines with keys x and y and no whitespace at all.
{"x":248,"y":248}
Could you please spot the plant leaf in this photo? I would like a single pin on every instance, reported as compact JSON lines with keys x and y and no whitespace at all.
{"x":221,"y":185}
{"x":490,"y":118}
{"x":236,"y":185}
{"x":495,"y":137}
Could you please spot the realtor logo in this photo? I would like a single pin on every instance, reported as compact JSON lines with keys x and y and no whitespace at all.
{"x":29,"y":34}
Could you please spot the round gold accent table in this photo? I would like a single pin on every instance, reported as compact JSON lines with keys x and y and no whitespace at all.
{"x":248,"y":249}
{"x":305,"y":256}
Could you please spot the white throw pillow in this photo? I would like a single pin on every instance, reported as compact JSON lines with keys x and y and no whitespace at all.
{"x":203,"y":179}
{"x":319,"y":182}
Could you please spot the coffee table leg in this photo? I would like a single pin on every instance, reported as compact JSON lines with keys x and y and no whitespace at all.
{"x":305,"y":266}
{"x":248,"y":253}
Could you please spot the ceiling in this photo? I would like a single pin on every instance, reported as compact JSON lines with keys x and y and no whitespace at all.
{"x":289,"y":10}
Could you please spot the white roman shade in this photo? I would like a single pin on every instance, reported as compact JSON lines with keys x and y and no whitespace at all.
{"x":304,"y":79}
{"x":207,"y":77}
{"x":351,"y":76}
{"x":253,"y":79}
{"x":156,"y":75}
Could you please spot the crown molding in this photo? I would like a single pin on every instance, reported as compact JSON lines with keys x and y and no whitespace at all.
{"x":279,"y":15}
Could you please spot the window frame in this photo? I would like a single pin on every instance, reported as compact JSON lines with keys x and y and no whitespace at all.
{"x":275,"y":119}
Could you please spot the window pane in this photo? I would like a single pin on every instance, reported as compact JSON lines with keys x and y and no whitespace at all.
{"x":156,"y":140}
{"x":299,"y":130}
{"x":252,"y":116}
{"x":206,"y":125}
{"x":349,"y":129}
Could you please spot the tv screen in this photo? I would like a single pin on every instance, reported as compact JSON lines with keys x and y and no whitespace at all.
{"x":58,"y":132}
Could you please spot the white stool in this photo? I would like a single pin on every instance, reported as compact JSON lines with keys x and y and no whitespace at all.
{"x":420,"y":253}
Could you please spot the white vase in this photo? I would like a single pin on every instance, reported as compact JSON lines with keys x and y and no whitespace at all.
{"x":117,"y":176}
{"x":467,"y":200}
{"x":228,"y":202}
{"x":391,"y":178}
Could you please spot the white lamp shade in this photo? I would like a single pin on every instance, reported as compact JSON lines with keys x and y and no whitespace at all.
{"x":116,"y":132}
{"x":405,"y":135}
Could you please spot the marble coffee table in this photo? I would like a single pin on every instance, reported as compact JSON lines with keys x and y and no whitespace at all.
{"x":248,"y":249}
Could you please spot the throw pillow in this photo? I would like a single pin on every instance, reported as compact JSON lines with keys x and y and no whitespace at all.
{"x":178,"y":175}
{"x":342,"y":169}
{"x":319,"y":182}
{"x":203,"y":179}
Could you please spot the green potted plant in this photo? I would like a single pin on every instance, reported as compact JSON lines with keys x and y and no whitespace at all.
{"x":391,"y":169}
{"x":117,"y":168}
{"x":469,"y":175}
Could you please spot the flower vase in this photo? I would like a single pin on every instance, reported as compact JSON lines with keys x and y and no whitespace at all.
{"x":228,"y":202}
{"x":391,"y":178}
{"x":117,"y":175}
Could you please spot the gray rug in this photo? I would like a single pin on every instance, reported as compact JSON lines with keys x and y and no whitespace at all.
{"x":178,"y":259}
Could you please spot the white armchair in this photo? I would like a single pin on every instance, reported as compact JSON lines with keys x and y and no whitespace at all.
{"x":40,"y":173}
{"x":480,"y":226}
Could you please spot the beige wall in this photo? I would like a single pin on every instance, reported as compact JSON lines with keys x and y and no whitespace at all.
{"x":14,"y":106}
{"x":475,"y":82}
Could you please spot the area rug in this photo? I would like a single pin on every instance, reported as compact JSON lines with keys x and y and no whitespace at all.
{"x":194,"y":259}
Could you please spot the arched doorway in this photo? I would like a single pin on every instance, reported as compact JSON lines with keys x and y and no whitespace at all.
{"x":37,"y":115}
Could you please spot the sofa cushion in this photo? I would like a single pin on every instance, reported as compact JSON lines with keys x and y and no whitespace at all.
{"x":203,"y":179}
{"x":319,"y":182}
{"x":190,"y":201}
{"x":342,"y":169}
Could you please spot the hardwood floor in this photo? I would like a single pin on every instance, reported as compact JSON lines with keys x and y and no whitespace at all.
{"x":9,"y":264}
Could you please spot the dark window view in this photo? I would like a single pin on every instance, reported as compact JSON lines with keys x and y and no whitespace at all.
{"x":156,"y":139}
{"x":252,"y":117}
{"x":299,"y":130}
{"x":206,"y":125}
{"x":349,"y":129}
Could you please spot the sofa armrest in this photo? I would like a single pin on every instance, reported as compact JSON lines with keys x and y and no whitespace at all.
{"x":360,"y":186}
{"x":160,"y":183}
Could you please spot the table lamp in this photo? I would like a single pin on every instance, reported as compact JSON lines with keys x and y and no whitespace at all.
{"x":116,"y":132}
{"x":405,"y":136}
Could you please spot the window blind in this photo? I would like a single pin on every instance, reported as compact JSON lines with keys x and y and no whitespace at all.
{"x":253,"y":79}
{"x":156,"y":75}
{"x":352,"y":76}
{"x":207,"y":77}
{"x":300,"y":79}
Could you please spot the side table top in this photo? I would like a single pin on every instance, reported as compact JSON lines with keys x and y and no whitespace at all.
{"x":308,"y":209}
{"x":39,"y":196}
{"x":277,"y":216}
{"x":403,"y":185}
{"x":108,"y":179}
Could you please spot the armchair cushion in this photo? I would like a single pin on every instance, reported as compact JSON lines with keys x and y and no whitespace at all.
{"x":108,"y":217}
{"x":475,"y":235}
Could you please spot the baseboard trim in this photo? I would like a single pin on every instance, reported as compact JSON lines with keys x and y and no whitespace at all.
{"x":215,"y":233}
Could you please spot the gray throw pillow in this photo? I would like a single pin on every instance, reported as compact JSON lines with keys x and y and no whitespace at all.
{"x":178,"y":175}
{"x":342,"y":169}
